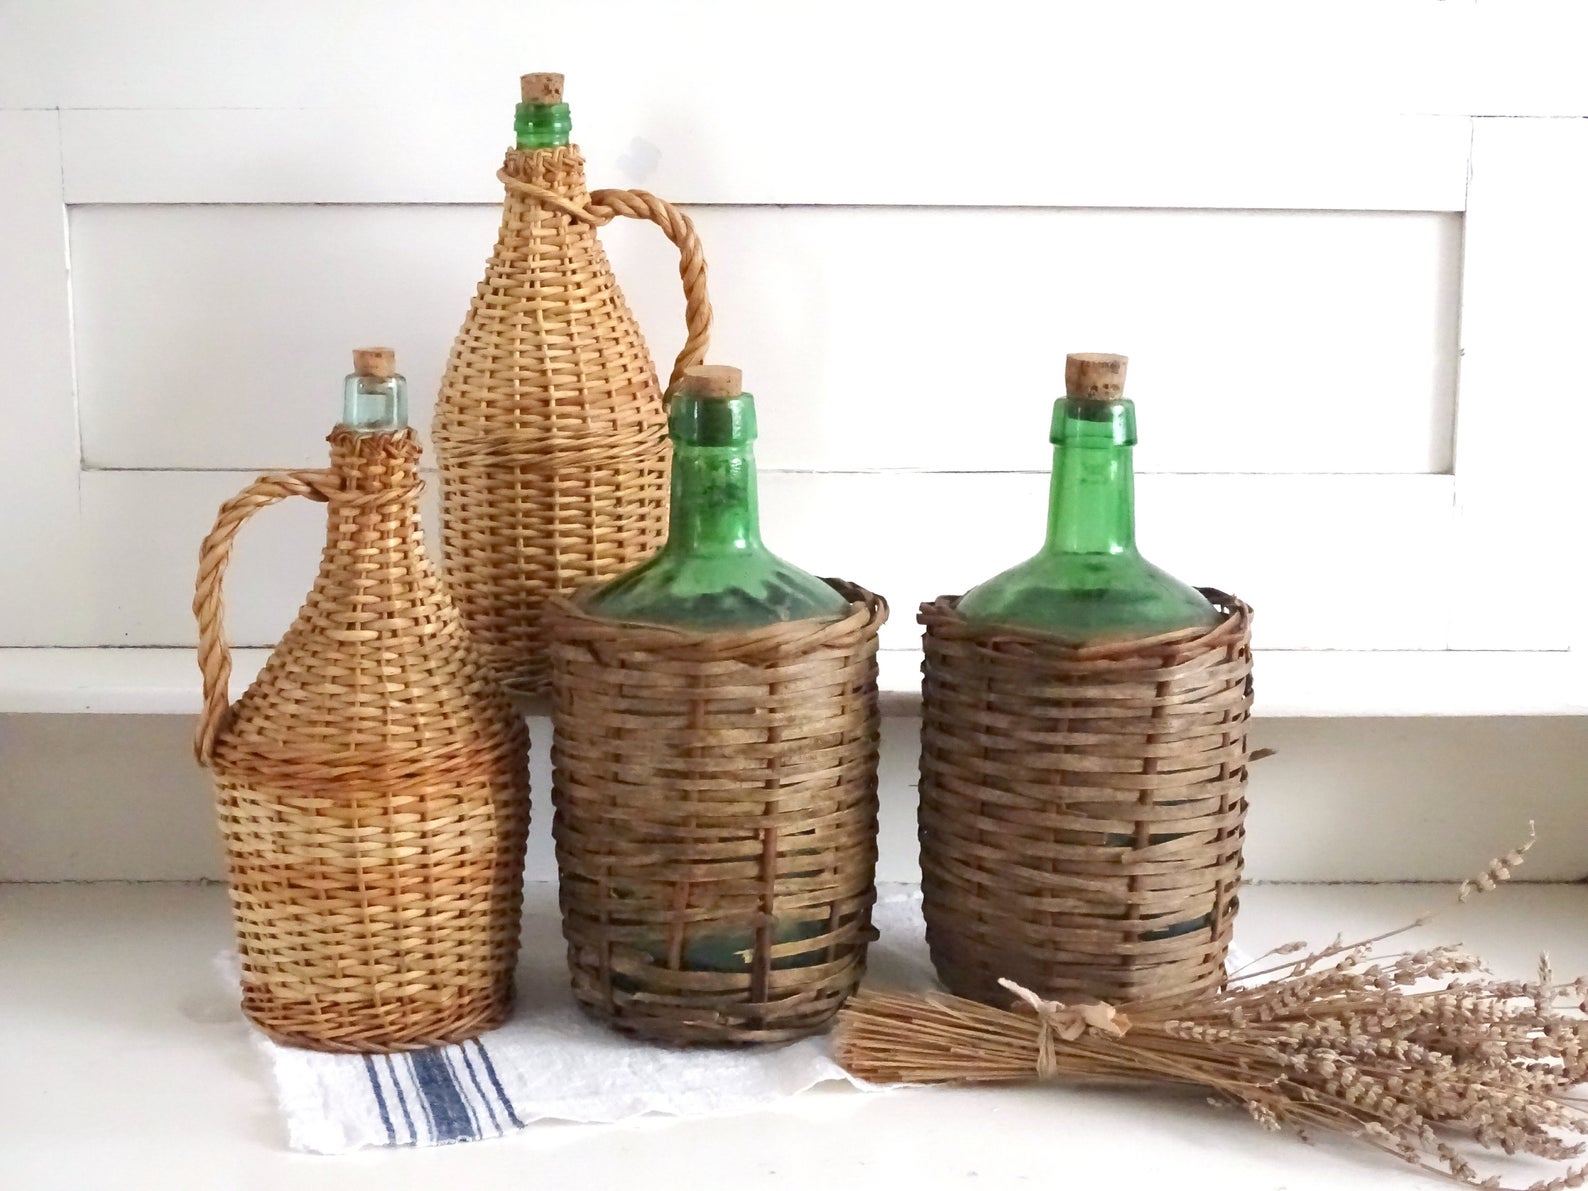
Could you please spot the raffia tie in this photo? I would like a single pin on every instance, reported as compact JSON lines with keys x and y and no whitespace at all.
{"x":1058,"y":1022}
{"x":605,"y":206}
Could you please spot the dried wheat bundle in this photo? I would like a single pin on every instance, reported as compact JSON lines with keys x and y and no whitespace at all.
{"x":1420,"y":1053}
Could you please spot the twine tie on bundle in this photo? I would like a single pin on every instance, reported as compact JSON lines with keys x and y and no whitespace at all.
{"x":1057,"y":1021}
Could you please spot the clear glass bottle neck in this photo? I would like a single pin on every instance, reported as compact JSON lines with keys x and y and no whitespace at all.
{"x":372,"y":404}
{"x":542,"y":125}
{"x":714,"y":507}
{"x":1092,"y":497}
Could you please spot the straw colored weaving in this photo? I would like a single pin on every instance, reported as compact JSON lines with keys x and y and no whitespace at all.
{"x":550,"y":428}
{"x":716,"y":798}
{"x":372,"y":784}
{"x":1082,"y":809}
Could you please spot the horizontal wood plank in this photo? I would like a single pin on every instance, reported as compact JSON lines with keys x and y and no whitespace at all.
{"x":1035,"y":155}
{"x":161,"y":681}
{"x":874,"y":339}
{"x":1298,"y":548}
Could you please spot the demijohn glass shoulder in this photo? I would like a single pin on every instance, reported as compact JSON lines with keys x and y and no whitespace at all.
{"x":714,"y":572}
{"x":1089,"y":583}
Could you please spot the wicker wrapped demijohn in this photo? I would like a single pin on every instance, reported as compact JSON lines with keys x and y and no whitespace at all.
{"x":1083,"y":746}
{"x":715,"y":738}
{"x":372,"y":784}
{"x":550,"y":428}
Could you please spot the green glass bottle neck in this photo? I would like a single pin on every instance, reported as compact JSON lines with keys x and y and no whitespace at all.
{"x":372,"y":404}
{"x":1092,"y":499}
{"x":715,"y":507}
{"x":542,"y":125}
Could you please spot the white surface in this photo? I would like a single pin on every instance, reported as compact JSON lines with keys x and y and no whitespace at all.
{"x":106,"y":797}
{"x":1364,"y":56}
{"x":141,"y":1075}
{"x":847,"y":323}
{"x":1518,"y":468}
{"x":1234,"y":105}
{"x":909,"y":536}
{"x":1047,"y":156}
{"x":1319,"y":683}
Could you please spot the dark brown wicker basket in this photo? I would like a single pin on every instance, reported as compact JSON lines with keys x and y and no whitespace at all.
{"x":1082,"y":809}
{"x":716,"y":820}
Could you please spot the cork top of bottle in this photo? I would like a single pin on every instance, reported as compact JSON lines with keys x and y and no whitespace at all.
{"x":710,"y":380}
{"x":1095,"y":376}
{"x":379,"y":362}
{"x":540,"y":88}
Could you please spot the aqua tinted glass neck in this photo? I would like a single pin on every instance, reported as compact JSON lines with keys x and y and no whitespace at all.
{"x":374,"y":396}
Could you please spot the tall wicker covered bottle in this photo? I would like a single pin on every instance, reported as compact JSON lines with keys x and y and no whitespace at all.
{"x":550,"y":428}
{"x":372,"y":784}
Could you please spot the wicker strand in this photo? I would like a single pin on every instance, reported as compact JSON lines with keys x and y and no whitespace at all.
{"x":215,"y":659}
{"x":716,"y":797}
{"x":605,"y":206}
{"x":1082,"y":809}
{"x":550,"y":427}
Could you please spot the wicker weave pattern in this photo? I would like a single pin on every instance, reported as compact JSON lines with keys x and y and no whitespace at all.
{"x":1038,"y":761}
{"x":716,"y":785}
{"x":372,"y":783}
{"x":550,"y":428}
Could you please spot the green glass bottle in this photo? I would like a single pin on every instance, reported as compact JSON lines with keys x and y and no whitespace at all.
{"x":714,"y":572}
{"x":541,"y":120}
{"x":1089,"y":583}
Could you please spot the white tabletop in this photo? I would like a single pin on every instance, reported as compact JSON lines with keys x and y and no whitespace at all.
{"x":127,"y":1067}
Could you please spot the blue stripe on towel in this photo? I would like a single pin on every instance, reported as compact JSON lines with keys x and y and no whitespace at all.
{"x":402,"y":1103}
{"x":490,"y":1070}
{"x":450,"y":1055}
{"x":443,"y":1099}
{"x":380,"y":1099}
{"x":479,"y":1087}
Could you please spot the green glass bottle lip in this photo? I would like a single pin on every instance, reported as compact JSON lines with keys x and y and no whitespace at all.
{"x":1088,"y":422}
{"x":712,"y":421}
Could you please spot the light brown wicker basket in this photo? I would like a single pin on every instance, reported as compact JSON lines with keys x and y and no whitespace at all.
{"x":1082,"y":809}
{"x":550,"y":429}
{"x":716,"y":803}
{"x":372,"y":784}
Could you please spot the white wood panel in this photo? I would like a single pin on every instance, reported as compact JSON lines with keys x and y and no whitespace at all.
{"x":154,"y":680}
{"x":1520,"y":500}
{"x":918,"y":338}
{"x":909,"y":536}
{"x":1035,"y":154}
{"x":42,"y":565}
{"x":907,"y":61}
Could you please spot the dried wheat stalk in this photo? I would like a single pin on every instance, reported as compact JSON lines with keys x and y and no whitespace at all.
{"x":1420,"y":1053}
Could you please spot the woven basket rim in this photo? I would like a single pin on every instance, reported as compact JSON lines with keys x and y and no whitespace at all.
{"x":570,"y":623}
{"x":942,"y":616}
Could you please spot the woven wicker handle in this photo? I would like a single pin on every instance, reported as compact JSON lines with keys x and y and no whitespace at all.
{"x":215,"y":659}
{"x":680,"y":229}
{"x":607,"y":205}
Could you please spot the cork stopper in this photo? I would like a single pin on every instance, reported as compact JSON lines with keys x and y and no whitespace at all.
{"x":541,"y":88}
{"x":379,"y":362}
{"x":1097,"y":376}
{"x":710,"y":380}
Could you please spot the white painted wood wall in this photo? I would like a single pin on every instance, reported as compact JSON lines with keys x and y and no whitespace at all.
{"x":1344,"y":245}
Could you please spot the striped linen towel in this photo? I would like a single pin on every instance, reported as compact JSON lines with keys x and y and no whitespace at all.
{"x":550,"y":1061}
